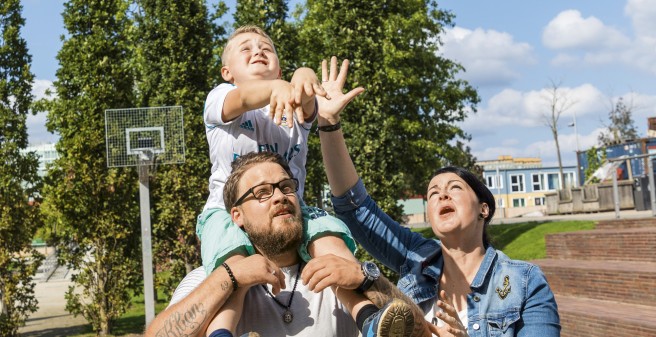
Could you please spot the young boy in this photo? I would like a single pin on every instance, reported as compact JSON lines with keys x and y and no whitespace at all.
{"x":255,"y":112}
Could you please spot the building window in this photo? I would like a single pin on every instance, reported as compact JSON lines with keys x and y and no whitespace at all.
{"x":494,"y":181}
{"x":538,"y":182}
{"x":500,"y":203}
{"x":539,"y":201}
{"x":519,"y":202}
{"x":517,"y":183}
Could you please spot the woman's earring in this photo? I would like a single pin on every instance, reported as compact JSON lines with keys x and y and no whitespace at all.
{"x":481,"y":216}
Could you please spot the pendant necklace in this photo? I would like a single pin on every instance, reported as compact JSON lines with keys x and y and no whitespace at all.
{"x":287,"y":316}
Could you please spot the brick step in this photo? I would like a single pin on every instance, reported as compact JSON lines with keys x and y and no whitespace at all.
{"x":635,"y":244}
{"x":622,"y":281}
{"x":626,"y":223}
{"x":588,"y":317}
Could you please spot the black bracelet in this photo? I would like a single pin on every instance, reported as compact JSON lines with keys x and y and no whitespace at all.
{"x":330,"y":128}
{"x":232,"y":277}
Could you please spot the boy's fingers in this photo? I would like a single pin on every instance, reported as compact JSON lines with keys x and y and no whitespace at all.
{"x":320,"y":91}
{"x":300,"y":117}
{"x":297,"y":94}
{"x":289,"y":114}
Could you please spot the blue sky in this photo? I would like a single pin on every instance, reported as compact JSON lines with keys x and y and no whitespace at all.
{"x":597,"y":50}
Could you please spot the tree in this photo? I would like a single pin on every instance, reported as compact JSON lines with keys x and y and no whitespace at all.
{"x":18,"y":175}
{"x":174,"y":61}
{"x":96,"y":209}
{"x":596,"y":157}
{"x":404,"y":126}
{"x":621,"y":127}
{"x":557,"y":102}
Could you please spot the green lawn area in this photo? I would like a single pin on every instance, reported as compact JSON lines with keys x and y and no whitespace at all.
{"x":523,"y":241}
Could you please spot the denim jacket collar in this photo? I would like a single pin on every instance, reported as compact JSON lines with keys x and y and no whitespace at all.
{"x":485,"y":269}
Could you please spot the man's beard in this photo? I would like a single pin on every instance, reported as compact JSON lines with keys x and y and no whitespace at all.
{"x":284,"y":238}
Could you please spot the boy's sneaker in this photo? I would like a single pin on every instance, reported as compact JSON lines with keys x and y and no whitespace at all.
{"x":251,"y":334}
{"x":395,"y":319}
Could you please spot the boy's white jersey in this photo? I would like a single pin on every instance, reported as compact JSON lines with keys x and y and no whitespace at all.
{"x":253,"y":131}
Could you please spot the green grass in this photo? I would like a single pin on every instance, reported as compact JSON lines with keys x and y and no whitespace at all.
{"x":525,"y":241}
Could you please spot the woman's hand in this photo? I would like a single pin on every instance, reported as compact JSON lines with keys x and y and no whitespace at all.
{"x":332,"y":105}
{"x":449,"y":315}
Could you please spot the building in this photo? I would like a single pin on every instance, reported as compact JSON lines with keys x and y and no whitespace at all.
{"x":46,"y":153}
{"x":519,"y":184}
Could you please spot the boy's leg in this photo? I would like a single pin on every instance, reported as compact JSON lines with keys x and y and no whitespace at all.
{"x":231,"y":311}
{"x":329,"y":235}
{"x":222,"y":241}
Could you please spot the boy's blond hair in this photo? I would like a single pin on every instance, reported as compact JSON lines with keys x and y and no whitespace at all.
{"x":245,"y":29}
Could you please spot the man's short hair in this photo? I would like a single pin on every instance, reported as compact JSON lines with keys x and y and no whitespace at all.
{"x":241,"y":165}
{"x":245,"y":29}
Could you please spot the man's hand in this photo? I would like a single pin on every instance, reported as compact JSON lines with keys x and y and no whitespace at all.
{"x":333,"y":83}
{"x":256,"y":269}
{"x":331,"y":270}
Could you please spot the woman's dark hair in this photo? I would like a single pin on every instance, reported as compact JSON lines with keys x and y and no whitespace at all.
{"x":482,"y":192}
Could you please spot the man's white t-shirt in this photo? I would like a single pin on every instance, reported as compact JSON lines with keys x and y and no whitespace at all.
{"x":253,"y":131}
{"x":315,"y":315}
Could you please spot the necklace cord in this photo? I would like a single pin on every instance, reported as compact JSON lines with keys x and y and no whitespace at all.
{"x":291,"y":297}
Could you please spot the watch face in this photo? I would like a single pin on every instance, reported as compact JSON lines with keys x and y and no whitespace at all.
{"x":371,"y":269}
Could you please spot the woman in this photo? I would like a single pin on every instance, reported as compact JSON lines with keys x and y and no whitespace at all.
{"x":481,"y":291}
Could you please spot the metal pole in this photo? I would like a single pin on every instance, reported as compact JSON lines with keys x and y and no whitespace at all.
{"x":652,"y":192}
{"x":146,"y":246}
{"x":616,"y":196}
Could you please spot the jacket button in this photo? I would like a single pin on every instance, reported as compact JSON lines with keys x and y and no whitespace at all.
{"x":476,"y":298}
{"x":476,"y":326}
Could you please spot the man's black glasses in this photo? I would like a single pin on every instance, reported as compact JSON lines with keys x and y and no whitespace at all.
{"x":265,"y":191}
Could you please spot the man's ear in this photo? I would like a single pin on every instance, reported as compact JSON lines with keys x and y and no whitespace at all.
{"x":237,"y":218}
{"x":225,"y":73}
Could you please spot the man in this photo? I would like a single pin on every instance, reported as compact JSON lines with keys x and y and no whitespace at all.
{"x":269,"y":212}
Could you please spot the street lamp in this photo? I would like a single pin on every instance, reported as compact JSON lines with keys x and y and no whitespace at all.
{"x":576,"y":132}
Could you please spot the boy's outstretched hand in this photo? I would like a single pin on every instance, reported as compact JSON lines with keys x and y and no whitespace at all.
{"x":333,"y":83}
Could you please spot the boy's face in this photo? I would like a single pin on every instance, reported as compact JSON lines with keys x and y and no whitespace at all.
{"x":250,"y":56}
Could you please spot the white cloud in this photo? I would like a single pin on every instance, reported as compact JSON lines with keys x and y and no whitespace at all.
{"x":527,"y":109}
{"x":568,"y":30}
{"x":588,"y":41}
{"x":642,"y":14}
{"x":489,"y":57}
{"x":36,"y":124}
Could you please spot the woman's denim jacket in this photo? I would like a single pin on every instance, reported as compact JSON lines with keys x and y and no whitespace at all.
{"x":508,"y":297}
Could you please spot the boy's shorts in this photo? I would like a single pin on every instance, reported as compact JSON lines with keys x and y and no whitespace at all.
{"x":221,"y":238}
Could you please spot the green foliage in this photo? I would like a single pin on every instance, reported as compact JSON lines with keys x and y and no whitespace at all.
{"x":405,"y":124}
{"x":622,"y":127}
{"x":174,"y":60}
{"x":94,"y":209}
{"x":18,"y":176}
{"x":596,"y":157}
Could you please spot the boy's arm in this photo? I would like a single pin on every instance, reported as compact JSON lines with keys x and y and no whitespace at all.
{"x":256,"y":94}
{"x":306,"y":85}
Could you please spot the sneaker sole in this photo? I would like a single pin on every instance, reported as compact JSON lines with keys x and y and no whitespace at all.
{"x":397,"y":321}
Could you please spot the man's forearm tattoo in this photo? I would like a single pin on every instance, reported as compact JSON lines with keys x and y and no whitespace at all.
{"x":185,"y":323}
{"x":225,"y":286}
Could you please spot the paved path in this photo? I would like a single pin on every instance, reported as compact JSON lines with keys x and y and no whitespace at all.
{"x":52,"y":319}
